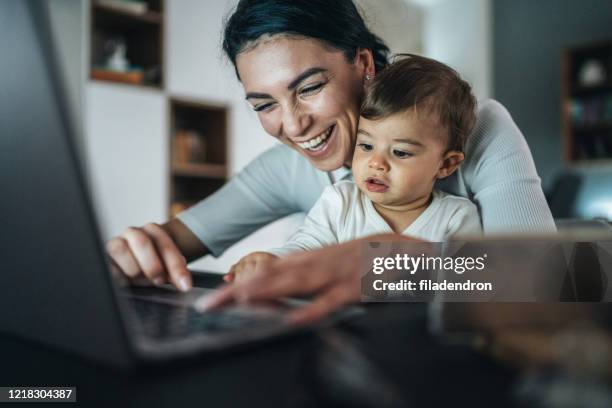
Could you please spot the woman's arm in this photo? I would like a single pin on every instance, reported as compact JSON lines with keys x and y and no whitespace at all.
{"x":499,"y":175}
{"x":255,"y":197}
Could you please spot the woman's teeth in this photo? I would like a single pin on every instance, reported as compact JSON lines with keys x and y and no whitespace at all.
{"x":317,"y":142}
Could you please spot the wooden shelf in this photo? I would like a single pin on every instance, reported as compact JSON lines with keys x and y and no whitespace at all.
{"x":131,"y":78}
{"x":204,"y":170}
{"x":579,"y":91}
{"x":598,"y":128}
{"x":144,"y":86}
{"x":593,"y":163}
{"x":119,"y":15}
{"x":586,"y":110}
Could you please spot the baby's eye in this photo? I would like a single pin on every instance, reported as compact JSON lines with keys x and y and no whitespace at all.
{"x":401,"y":154}
{"x":311,"y":89}
{"x":263,"y":107}
{"x":365,"y":147}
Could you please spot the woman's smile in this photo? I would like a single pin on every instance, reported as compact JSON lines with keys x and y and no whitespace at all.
{"x":316,"y":143}
{"x":321,"y":145}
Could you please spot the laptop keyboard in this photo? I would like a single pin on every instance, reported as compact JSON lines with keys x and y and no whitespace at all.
{"x":165,"y":321}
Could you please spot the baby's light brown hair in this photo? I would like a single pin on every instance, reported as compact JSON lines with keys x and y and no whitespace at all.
{"x":412,"y":82}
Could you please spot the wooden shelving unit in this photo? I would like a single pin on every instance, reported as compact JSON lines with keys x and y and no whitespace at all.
{"x":587,"y":103}
{"x":218,"y":171}
{"x":198,"y":151}
{"x":142,"y":32}
{"x":113,"y":15}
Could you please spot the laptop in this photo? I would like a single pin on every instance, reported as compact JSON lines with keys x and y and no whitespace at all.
{"x":56,"y":284}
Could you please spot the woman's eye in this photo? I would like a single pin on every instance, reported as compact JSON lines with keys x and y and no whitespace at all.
{"x":365,"y":147}
{"x":311,"y":89}
{"x":401,"y":154}
{"x":263,"y":107}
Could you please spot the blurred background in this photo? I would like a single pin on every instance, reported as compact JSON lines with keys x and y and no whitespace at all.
{"x":162,"y":120}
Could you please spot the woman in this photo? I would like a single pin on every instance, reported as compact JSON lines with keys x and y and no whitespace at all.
{"x":304,"y":66}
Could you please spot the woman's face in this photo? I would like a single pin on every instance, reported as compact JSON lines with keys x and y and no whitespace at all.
{"x":307,"y":95}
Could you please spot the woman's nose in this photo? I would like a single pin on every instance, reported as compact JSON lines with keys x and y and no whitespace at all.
{"x":295,"y":123}
{"x":378,"y":163}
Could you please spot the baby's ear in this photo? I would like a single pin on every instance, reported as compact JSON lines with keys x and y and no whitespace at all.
{"x":450,"y":162}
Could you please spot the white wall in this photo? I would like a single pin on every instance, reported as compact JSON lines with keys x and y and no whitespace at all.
{"x":398,"y":22}
{"x":127,"y":155}
{"x":458,"y":33}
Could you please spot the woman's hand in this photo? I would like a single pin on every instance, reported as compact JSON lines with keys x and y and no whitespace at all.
{"x":331,"y":274}
{"x":247,"y":266}
{"x":155,"y":253}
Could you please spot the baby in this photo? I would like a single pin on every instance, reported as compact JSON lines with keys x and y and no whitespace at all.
{"x":415,"y":119}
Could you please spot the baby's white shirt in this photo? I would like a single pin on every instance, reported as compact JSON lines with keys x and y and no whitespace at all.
{"x":343,"y":213}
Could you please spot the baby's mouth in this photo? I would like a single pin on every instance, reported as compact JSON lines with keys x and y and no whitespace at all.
{"x":375,"y":185}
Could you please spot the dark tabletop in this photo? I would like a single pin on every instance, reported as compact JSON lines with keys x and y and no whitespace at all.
{"x":385,"y":357}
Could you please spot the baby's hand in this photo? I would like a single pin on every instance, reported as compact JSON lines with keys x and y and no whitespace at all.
{"x":246,"y":266}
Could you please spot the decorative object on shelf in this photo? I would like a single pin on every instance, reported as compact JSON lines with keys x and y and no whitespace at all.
{"x":117,"y":60}
{"x":592,"y":73}
{"x":127,"y":41}
{"x":587,"y":102}
{"x":131,"y":6}
{"x":591,"y":111}
{"x":117,"y":67}
{"x":189,"y":147}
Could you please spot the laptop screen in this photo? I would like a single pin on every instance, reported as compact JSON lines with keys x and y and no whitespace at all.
{"x":55,"y":286}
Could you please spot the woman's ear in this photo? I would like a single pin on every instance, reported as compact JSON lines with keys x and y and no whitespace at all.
{"x":450,"y":163}
{"x":364,"y":61}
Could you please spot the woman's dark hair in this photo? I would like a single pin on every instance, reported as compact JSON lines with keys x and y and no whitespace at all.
{"x":412,"y":81}
{"x":337,"y":23}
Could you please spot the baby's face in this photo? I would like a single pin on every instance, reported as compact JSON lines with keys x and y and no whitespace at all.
{"x":398,"y":158}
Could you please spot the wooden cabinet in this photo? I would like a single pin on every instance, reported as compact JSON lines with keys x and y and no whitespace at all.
{"x":127,"y":42}
{"x":198,"y":151}
{"x":587,"y":102}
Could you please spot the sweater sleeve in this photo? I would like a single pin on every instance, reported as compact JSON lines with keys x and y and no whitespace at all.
{"x":501,"y":178}
{"x":320,"y":225}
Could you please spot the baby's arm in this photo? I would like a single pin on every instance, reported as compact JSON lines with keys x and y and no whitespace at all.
{"x":247,"y":265}
{"x":317,"y":230}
